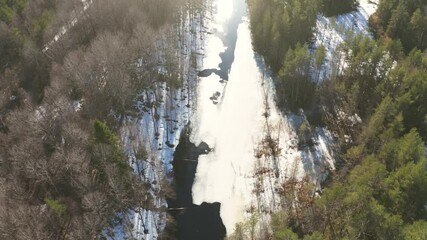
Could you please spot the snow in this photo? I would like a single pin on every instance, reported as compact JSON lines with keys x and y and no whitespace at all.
{"x":225,"y":10}
{"x":235,"y":128}
{"x":164,"y":112}
{"x":229,"y":128}
{"x":332,"y":31}
{"x":63,"y":30}
{"x":77,"y":105}
{"x":368,"y":7}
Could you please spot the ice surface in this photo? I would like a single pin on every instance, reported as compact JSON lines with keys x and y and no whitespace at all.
{"x":235,"y":127}
{"x":232,"y":127}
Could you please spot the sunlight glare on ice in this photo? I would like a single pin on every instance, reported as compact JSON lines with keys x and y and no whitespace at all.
{"x":225,"y":10}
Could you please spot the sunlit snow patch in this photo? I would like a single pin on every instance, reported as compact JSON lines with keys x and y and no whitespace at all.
{"x":331,"y":31}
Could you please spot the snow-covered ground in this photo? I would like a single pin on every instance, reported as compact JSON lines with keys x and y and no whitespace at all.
{"x":164,"y":112}
{"x":332,"y":31}
{"x":64,"y":29}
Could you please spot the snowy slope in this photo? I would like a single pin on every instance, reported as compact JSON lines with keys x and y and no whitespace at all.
{"x":330,"y":32}
{"x":164,"y":112}
{"x":64,"y":29}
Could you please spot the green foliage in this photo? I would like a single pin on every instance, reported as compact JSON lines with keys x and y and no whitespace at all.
{"x":414,"y":92}
{"x":381,"y":191}
{"x":285,"y":234}
{"x":314,"y":236}
{"x":22,"y":39}
{"x":107,"y":151}
{"x":419,"y":28}
{"x":377,"y":202}
{"x":279,"y":25}
{"x":336,"y":7}
{"x":410,"y":149}
{"x":11,"y":44}
{"x":407,"y":190}
{"x":404,"y":20}
{"x":40,"y":24}
{"x":319,"y":60}
{"x":279,"y":221}
{"x":382,"y":116}
{"x":416,"y":231}
{"x":8,"y":8}
{"x":370,"y":173}
{"x":103,"y":134}
{"x":368,"y":65}
{"x":57,"y":206}
{"x":247,"y":229}
{"x":295,"y":88}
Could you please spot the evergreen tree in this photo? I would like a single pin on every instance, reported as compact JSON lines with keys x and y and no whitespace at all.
{"x":336,"y":7}
{"x":295,"y":87}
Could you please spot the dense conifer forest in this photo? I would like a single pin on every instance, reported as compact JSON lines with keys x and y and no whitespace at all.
{"x":380,"y":188}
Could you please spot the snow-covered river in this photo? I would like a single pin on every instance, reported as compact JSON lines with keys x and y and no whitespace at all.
{"x":231,"y":118}
{"x":233,"y":123}
{"x":222,"y":171}
{"x":223,"y":166}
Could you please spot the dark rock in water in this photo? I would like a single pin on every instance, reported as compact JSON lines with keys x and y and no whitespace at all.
{"x":193,"y":221}
{"x":185,"y":165}
{"x":203,"y":148}
{"x":169,"y":144}
{"x":201,"y":222}
{"x":215,"y":97}
{"x":205,"y":73}
{"x":222,"y":73}
{"x":307,"y":144}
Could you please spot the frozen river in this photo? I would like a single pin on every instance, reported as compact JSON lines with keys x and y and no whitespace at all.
{"x":234,"y":114}
{"x":232,"y":123}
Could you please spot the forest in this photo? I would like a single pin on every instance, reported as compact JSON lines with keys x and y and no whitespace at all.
{"x":379,"y":190}
{"x":63,"y":172}
{"x":72,"y":71}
